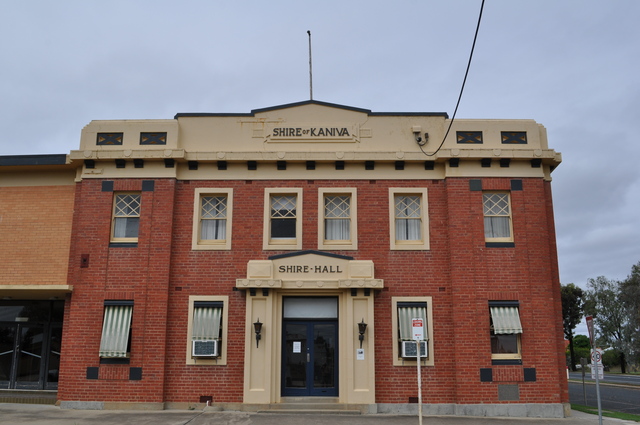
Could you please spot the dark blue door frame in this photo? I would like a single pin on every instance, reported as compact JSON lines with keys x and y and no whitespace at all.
{"x":310,"y":358}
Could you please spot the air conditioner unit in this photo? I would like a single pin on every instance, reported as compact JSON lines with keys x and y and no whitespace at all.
{"x":409,"y":349}
{"x":208,"y":348}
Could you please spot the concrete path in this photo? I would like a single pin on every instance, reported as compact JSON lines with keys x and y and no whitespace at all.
{"x":18,"y":414}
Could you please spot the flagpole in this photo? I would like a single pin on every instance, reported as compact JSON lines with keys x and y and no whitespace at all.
{"x":310,"y":70}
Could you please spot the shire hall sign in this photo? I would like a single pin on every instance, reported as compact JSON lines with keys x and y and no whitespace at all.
{"x":309,"y":269}
{"x":311,"y":131}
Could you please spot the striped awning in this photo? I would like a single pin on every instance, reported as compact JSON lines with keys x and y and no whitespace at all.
{"x":506,"y":320}
{"x":115,"y":330}
{"x":408,"y":311}
{"x":206,"y":322}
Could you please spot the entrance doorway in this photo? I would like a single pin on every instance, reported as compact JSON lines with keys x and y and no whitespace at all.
{"x":30,"y":344}
{"x":310,"y":347}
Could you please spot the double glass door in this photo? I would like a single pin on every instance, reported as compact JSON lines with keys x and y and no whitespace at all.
{"x":310,"y":358}
{"x":29,"y":350}
{"x":310,"y":346}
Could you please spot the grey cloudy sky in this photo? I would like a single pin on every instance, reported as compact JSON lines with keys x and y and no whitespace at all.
{"x":570,"y":65}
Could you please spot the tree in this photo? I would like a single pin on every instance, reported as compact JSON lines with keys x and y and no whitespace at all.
{"x":582,"y":347}
{"x":571,"y":315}
{"x":611,"y":358}
{"x":630,"y":287}
{"x":604,"y":300}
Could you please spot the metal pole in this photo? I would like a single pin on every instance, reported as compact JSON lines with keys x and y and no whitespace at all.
{"x":419,"y":382}
{"x":597,"y":381}
{"x":584,"y":391}
{"x":592,"y":338}
{"x":583,"y":366}
{"x":310,"y":70}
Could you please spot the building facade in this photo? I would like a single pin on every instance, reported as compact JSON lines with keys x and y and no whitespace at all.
{"x":260,"y":259}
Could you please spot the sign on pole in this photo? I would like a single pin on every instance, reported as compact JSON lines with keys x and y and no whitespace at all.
{"x":596,"y":364}
{"x":418,"y":329}
{"x":417,"y":326}
{"x":589,"y":320}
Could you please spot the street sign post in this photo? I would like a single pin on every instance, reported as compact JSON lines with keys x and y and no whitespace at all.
{"x":592,"y":338}
{"x":417,"y":327}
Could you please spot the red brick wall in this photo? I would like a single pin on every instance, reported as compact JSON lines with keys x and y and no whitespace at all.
{"x":137,"y":273}
{"x":459,"y":272}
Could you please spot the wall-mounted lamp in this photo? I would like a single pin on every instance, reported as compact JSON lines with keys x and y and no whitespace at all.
{"x":362,"y":328}
{"x":257,"y":327}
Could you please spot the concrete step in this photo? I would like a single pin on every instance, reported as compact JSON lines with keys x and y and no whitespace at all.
{"x":311,"y":412}
{"x":28,"y":396}
{"x":313,"y":405}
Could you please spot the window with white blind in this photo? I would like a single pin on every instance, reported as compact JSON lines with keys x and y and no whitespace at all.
{"x":409,"y":220}
{"x":212,"y":219}
{"x":208,"y":321}
{"x":126,"y":217}
{"x":497,"y":217}
{"x":337,"y":219}
{"x":404,"y":310}
{"x":116,"y":329}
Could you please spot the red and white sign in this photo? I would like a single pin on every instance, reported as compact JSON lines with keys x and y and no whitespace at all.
{"x":418,"y":329}
{"x":596,"y":363}
{"x":589,"y":320}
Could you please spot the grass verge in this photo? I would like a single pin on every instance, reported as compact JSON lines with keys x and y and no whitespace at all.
{"x":607,"y":413}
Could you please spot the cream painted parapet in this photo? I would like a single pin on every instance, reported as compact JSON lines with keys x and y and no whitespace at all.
{"x":131,"y":131}
{"x":317,"y":132}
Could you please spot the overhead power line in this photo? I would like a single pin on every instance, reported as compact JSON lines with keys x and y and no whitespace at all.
{"x":464,"y":81}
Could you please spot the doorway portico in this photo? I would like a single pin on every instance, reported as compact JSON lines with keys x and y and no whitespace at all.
{"x":309,"y":304}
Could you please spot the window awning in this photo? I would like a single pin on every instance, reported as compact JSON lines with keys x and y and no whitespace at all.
{"x":408,"y":311}
{"x":206,"y":322}
{"x":115,"y":330}
{"x":506,"y":320}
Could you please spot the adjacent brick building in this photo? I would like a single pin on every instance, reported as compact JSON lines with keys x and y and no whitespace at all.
{"x":260,"y":259}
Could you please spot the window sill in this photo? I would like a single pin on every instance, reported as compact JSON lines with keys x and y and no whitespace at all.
{"x":123,"y":245}
{"x":114,"y":360}
{"x":211,"y":247}
{"x":506,"y":362}
{"x":500,"y":244}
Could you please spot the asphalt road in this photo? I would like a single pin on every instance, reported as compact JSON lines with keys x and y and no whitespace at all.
{"x":608,"y":378}
{"x":620,"y":398}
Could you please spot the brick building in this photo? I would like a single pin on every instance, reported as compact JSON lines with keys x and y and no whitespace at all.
{"x":266,"y":258}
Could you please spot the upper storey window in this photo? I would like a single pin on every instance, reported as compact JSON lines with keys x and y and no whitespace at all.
{"x":497,"y":217}
{"x":212,"y":219}
{"x":126,"y":217}
{"x":337,"y":219}
{"x":408,"y":218}
{"x":283,"y":224}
